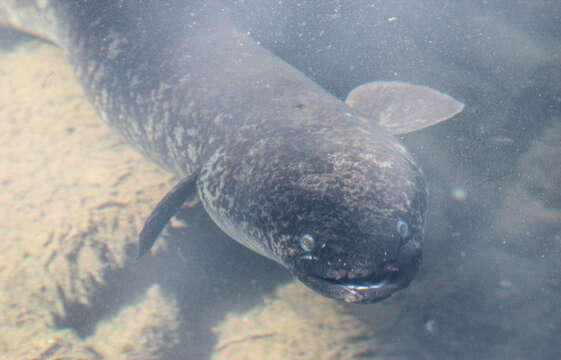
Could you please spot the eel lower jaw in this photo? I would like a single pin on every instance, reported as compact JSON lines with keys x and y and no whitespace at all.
{"x":364,"y":290}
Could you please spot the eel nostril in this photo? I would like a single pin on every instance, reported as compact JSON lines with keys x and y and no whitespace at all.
{"x":311,"y":265}
{"x":392,"y":267}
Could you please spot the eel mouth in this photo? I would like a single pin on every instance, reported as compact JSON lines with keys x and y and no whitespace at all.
{"x":362,"y":290}
{"x":361,"y":286}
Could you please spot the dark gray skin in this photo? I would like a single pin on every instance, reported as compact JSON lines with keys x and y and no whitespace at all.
{"x":280,"y":165}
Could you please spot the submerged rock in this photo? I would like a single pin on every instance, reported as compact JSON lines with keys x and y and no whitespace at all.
{"x":73,"y":199}
{"x":296,"y":324}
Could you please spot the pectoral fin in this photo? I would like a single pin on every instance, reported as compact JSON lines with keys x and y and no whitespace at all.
{"x":162,"y":213}
{"x":402,"y":108}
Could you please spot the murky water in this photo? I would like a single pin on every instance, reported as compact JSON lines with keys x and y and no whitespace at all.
{"x":74,"y":197}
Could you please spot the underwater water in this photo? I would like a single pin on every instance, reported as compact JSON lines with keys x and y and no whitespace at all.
{"x":75,"y":197}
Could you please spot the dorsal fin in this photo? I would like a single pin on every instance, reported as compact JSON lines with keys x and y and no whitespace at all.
{"x":402,"y":108}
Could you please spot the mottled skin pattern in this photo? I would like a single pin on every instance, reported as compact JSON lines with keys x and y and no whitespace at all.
{"x":277,"y":157}
{"x":317,"y":184}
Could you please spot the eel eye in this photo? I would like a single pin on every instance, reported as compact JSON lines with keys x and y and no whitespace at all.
{"x":402,"y":228}
{"x":307,"y":242}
